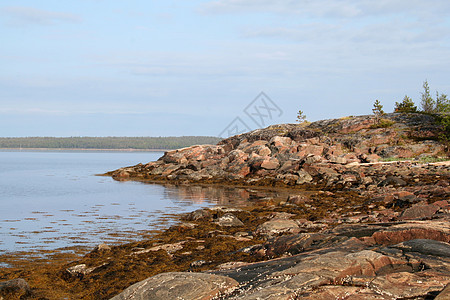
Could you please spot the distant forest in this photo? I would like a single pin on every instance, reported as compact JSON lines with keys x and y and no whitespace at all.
{"x":138,"y":143}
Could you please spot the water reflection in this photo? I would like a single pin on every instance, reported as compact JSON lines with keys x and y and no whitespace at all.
{"x":188,"y":195}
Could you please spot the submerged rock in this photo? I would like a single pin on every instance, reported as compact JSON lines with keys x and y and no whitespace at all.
{"x":14,"y":289}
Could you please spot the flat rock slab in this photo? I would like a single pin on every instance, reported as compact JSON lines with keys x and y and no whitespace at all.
{"x":419,"y":212}
{"x":278,"y":226}
{"x":438,"y":230}
{"x":179,"y":285}
{"x":342,"y":292}
{"x":405,"y":285}
{"x":427,"y":247}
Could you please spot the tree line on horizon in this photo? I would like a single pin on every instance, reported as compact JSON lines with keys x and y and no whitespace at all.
{"x":138,"y":143}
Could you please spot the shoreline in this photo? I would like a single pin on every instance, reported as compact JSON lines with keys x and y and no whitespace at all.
{"x":82,"y":150}
{"x":341,"y":223}
{"x":203,"y":242}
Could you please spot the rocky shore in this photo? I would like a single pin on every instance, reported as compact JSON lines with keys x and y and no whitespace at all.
{"x":347,"y":223}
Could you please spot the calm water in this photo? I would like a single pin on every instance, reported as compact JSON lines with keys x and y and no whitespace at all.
{"x":51,"y":200}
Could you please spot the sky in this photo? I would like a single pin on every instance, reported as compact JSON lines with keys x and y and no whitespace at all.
{"x":173,"y":68}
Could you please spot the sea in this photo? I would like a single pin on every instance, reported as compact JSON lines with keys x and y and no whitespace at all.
{"x":57,"y":200}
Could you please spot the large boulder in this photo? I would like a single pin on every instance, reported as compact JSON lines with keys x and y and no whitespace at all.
{"x":179,"y":285}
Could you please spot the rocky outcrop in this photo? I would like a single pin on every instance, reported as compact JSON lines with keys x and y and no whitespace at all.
{"x":337,"y":153}
{"x":188,"y":286}
{"x":372,"y":230}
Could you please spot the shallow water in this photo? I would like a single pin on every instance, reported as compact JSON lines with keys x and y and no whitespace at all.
{"x":53,"y":199}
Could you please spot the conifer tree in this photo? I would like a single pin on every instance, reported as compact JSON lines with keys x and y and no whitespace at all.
{"x":428,"y":104}
{"x":406,"y":106}
{"x":377,"y":110}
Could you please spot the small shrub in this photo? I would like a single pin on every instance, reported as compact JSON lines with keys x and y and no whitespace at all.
{"x":406,"y":106}
{"x":382,"y":123}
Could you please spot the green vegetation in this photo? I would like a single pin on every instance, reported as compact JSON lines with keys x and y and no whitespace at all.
{"x":377,"y":111}
{"x":427,"y":102}
{"x":444,"y":121}
{"x":301,"y":117}
{"x":429,"y":105}
{"x":422,"y":159}
{"x":406,"y":106}
{"x":139,"y":143}
{"x":382,"y":123}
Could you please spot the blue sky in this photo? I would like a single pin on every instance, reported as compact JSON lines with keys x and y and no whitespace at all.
{"x":158,"y":68}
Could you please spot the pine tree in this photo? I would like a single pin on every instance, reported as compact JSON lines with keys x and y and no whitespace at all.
{"x":301,"y":118}
{"x":428,"y":104}
{"x":377,"y":110}
{"x":442,"y":103}
{"x":406,"y":106}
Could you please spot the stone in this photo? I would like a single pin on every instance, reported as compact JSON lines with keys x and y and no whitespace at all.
{"x":392,"y":180}
{"x":229,"y":220}
{"x":338,"y":160}
{"x":197,"y":215}
{"x":15,"y":289}
{"x":419,"y":212}
{"x":270,"y":164}
{"x":79,"y":270}
{"x":406,"y":285}
{"x":303,"y":177}
{"x":291,"y":244}
{"x":444,"y":294}
{"x":102,"y":247}
{"x":342,"y":292}
{"x":425,"y":246}
{"x":277,"y":226}
{"x":438,"y":230}
{"x":298,"y":199}
{"x":339,"y":265}
{"x":179,"y":285}
{"x":121,"y":175}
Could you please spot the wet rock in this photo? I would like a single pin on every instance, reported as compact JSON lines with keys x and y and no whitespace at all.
{"x":425,"y":246}
{"x":292,"y":244}
{"x":79,"y":270}
{"x":197,"y":215}
{"x":392,"y":180}
{"x":419,"y":212}
{"x":14,"y":289}
{"x":298,"y":199}
{"x":102,"y":247}
{"x":199,"y":263}
{"x":277,"y":226}
{"x":229,"y":220}
{"x":178,"y":285}
{"x":356,"y":230}
{"x":121,"y":175}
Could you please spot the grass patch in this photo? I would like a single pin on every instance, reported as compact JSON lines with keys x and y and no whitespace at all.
{"x":423,"y":159}
{"x":383,"y":123}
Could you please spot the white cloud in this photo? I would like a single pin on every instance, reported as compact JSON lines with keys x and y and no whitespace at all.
{"x":21,"y":15}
